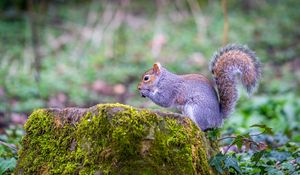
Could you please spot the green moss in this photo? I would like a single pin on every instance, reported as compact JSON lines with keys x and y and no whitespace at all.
{"x":111,"y":139}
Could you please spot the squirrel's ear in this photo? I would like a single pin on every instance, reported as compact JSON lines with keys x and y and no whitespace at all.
{"x":156,"y":68}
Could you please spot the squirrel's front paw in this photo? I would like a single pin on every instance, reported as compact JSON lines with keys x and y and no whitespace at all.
{"x":144,"y":93}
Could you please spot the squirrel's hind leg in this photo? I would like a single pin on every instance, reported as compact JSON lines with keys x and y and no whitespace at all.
{"x":203,"y":116}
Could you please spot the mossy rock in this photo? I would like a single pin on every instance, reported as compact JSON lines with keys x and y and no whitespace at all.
{"x":112,"y":139}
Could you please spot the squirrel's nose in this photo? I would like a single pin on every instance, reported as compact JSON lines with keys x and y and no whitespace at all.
{"x":139,"y":87}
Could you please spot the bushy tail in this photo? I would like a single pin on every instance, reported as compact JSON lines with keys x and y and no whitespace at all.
{"x":226,"y":64}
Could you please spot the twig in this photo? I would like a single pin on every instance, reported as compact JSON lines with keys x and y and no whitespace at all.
{"x":251,"y":141}
{"x":243,"y":138}
{"x":227,"y":137}
{"x":34,"y":20}
{"x":11,"y":146}
{"x":198,"y":17}
{"x":226,"y":26}
{"x":229,"y":147}
{"x":233,"y":137}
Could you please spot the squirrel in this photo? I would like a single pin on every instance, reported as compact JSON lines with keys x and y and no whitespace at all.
{"x":195,"y":95}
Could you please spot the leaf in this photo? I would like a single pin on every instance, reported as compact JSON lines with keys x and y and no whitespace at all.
{"x":213,"y":134}
{"x":257,"y":156}
{"x":238,"y":141}
{"x":217,"y":162}
{"x":267,"y":130}
{"x":255,"y":170}
{"x":247,"y":135}
{"x":7,"y":164}
{"x":288,"y":166}
{"x":273,"y":171}
{"x":231,"y":162}
{"x":280,"y":156}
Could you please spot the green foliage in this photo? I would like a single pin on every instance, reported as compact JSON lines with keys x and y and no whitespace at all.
{"x":8,"y":149}
{"x":256,"y":156}
{"x":125,"y":52}
{"x":261,"y":162}
{"x":279,"y":112}
{"x":213,"y":134}
{"x":7,"y":165}
{"x":266,"y":130}
{"x":274,"y":161}
{"x":225,"y":163}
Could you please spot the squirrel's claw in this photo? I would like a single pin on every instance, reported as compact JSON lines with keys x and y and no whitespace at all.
{"x":143,"y":94}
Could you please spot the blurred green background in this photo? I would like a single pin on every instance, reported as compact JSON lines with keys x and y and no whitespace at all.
{"x":81,"y":53}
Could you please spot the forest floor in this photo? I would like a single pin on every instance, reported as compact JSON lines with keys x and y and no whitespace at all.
{"x":85,"y":53}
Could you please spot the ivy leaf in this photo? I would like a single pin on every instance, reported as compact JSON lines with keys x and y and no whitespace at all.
{"x":267,"y":130}
{"x":255,"y":170}
{"x":280,"y":156}
{"x":257,"y":156}
{"x":232,"y":162}
{"x":217,"y":162}
{"x":213,"y":134}
{"x":288,"y":166}
{"x":274,"y":171}
{"x":238,"y":141}
{"x":7,"y":164}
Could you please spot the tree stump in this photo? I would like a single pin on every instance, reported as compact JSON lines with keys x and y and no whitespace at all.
{"x":112,"y":139}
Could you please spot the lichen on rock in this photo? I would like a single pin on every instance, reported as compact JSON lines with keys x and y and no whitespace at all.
{"x":111,"y":139}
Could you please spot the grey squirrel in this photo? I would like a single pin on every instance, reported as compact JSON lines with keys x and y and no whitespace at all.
{"x":195,"y":96}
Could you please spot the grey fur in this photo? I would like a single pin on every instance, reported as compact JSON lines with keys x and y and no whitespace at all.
{"x":198,"y":99}
{"x":201,"y":103}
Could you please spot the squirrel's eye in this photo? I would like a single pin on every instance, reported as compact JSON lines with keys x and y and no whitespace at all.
{"x":146,"y":77}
